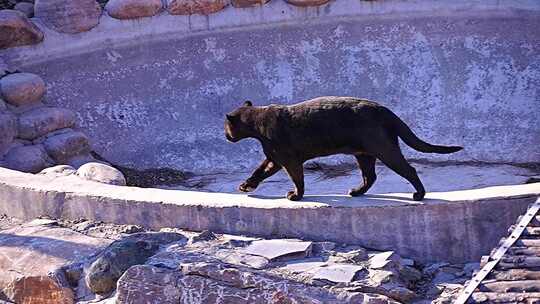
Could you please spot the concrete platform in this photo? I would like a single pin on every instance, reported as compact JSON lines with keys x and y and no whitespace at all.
{"x":457,"y":226}
{"x":338,"y":179}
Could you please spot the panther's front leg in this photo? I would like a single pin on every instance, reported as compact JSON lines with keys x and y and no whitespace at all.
{"x":266,"y":169}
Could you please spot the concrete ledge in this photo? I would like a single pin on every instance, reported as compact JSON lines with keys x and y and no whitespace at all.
{"x":457,"y":226}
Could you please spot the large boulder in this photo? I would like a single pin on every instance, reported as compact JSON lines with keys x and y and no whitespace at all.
{"x":102,"y":275}
{"x":17,"y":30}
{"x":101,"y":173}
{"x":73,"y":16}
{"x":22,"y":88}
{"x":34,"y":256}
{"x":26,"y":8}
{"x":248,"y":3}
{"x":8,"y":131}
{"x":304,"y":3}
{"x":189,"y":7}
{"x":59,"y":170}
{"x":62,"y":147}
{"x":132,"y":9}
{"x":30,"y":159}
{"x":40,"y":121}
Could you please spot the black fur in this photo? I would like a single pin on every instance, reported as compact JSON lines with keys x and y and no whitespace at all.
{"x":291,"y":135}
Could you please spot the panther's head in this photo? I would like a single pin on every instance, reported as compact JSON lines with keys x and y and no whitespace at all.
{"x":236,"y":123}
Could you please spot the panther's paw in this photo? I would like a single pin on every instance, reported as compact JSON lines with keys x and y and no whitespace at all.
{"x":418,"y":196}
{"x":247,"y":187}
{"x":293,"y":196}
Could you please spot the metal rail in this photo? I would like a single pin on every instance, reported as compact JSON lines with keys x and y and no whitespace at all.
{"x":498,"y":254}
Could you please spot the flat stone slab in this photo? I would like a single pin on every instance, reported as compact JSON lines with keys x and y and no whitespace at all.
{"x":306,"y":265}
{"x":275,"y":249}
{"x":418,"y":230}
{"x":338,"y":273}
{"x":33,"y":254}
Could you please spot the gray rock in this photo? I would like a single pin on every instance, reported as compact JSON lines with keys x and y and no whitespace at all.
{"x":353,"y":256}
{"x":102,"y":275}
{"x":26,"y":8}
{"x":305,"y":265}
{"x":339,"y":273}
{"x":470,"y":268}
{"x":35,"y":255}
{"x":248,"y":3}
{"x":189,"y":7}
{"x":30,"y":159}
{"x":8,"y":131}
{"x":304,"y":3}
{"x":4,"y":68}
{"x":410,"y":275}
{"x":3,"y":106}
{"x":40,"y":121}
{"x":323,"y":247}
{"x":62,"y":147}
{"x":21,"y":89}
{"x":59,"y":170}
{"x":280,"y":250}
{"x":203,"y":236}
{"x":101,"y":173}
{"x":70,"y":17}
{"x":81,"y":159}
{"x":17,"y":30}
{"x":383,"y":259}
{"x":236,"y":257}
{"x":203,"y":282}
{"x":432,"y":269}
{"x":132,"y":9}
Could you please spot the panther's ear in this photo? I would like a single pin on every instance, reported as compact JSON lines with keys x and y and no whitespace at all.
{"x":248,"y":103}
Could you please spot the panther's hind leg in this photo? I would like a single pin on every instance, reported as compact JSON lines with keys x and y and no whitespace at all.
{"x":367,"y":165}
{"x":295,"y":170}
{"x":392,"y":157}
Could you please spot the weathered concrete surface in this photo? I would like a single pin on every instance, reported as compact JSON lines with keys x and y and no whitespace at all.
{"x":420,"y":230}
{"x":445,"y":67}
{"x":340,"y":179}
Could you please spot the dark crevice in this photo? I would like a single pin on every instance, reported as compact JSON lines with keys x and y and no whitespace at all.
{"x":147,"y":178}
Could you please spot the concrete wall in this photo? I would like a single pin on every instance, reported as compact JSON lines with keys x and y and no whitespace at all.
{"x":457,"y":226}
{"x":153,"y":92}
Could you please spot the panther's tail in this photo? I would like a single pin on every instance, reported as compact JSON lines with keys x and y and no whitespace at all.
{"x":407,"y":135}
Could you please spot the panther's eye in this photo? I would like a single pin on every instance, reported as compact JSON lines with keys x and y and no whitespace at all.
{"x":231,"y":118}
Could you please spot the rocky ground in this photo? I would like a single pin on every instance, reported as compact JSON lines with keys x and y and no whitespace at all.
{"x":50,"y":261}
